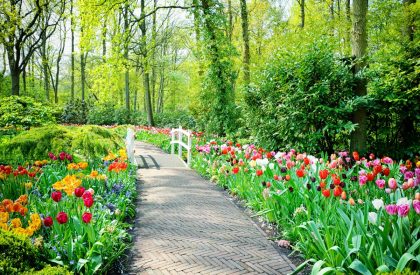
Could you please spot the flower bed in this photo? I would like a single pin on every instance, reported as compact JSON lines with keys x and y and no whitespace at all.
{"x":344,"y":213}
{"x":75,"y":213}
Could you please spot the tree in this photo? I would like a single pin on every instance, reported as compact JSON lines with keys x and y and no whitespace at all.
{"x":217,"y":94}
{"x":245,"y":36}
{"x":359,"y":46}
{"x":22,"y":27}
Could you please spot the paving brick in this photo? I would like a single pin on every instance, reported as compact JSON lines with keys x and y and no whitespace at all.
{"x":186,"y":225}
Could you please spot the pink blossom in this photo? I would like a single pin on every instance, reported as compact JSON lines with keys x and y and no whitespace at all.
{"x":362,"y":179}
{"x":403,"y":210}
{"x":416,"y":206}
{"x":391,"y":209}
{"x":380,"y":183}
{"x":388,"y":190}
{"x":392,"y":183}
{"x":387,"y":160}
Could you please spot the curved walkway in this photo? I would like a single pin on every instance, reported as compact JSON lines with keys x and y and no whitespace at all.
{"x":186,"y":225}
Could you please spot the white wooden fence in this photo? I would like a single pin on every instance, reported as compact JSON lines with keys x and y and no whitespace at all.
{"x":177,"y":134}
{"x":129,"y":144}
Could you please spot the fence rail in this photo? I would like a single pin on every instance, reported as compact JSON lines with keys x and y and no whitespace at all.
{"x":177,"y":134}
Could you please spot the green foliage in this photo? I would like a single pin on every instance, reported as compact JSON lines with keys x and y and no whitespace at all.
{"x":394,"y":115}
{"x":175,"y":119}
{"x":86,"y":142}
{"x":302,"y":101}
{"x":75,"y":112}
{"x":160,"y":140}
{"x":24,"y":111}
{"x":19,"y":256}
{"x":216,"y":109}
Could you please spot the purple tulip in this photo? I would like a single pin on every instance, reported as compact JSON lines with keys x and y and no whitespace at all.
{"x":416,"y":206}
{"x":403,"y":210}
{"x":391,"y":209}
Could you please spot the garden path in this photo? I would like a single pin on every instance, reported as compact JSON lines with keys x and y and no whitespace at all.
{"x":186,"y":225}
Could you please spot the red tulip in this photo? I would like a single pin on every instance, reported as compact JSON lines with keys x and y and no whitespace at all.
{"x":300,"y":173}
{"x":235,"y":170}
{"x":323,"y":174}
{"x":306,"y":161}
{"x":337,"y":191}
{"x":86,"y":217}
{"x":48,"y":221}
{"x":268,"y":184}
{"x":259,"y":173}
{"x":337,"y":181}
{"x":356,"y":156}
{"x":370,"y":177}
{"x":88,"y":202}
{"x":276,"y":177}
{"x":62,"y":218}
{"x":386,"y":171}
{"x":326,"y":193}
{"x":56,"y":196}
{"x":79,"y":191}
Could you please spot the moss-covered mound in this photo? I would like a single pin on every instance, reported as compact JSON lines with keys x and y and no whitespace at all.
{"x":86,"y":142}
{"x":18,"y":255}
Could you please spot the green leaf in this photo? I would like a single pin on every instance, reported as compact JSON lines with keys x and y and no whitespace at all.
{"x":358,"y":266}
{"x":404,"y":260}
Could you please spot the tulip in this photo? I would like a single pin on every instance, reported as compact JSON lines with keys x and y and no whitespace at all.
{"x":259,"y":173}
{"x":392,"y":183}
{"x":48,"y":221}
{"x":86,"y":217}
{"x":378,"y":204}
{"x":380,"y":183}
{"x":386,"y":172}
{"x":416,"y":206}
{"x":62,"y":218}
{"x":326,"y":193}
{"x":56,"y":196}
{"x":79,"y":191}
{"x":300,"y":173}
{"x":235,"y":170}
{"x":323,"y":174}
{"x":352,"y":202}
{"x":403,"y":210}
{"x":391,"y":209}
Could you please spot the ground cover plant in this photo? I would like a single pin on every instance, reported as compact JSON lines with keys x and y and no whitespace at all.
{"x":66,"y":213}
{"x":344,"y":213}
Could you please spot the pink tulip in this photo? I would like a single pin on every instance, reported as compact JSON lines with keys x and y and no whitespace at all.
{"x":391,"y":209}
{"x":416,"y":206}
{"x":392,"y":183}
{"x":403,"y":210}
{"x":380,"y":183}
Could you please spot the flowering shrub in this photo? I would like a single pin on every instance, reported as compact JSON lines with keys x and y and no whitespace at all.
{"x":345,"y":213}
{"x":77,"y":211}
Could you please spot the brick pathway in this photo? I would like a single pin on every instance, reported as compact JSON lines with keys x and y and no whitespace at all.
{"x":186,"y":225}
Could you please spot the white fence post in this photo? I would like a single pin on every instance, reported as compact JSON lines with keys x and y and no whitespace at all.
{"x":180,"y":141}
{"x":189,"y":149}
{"x":129,"y":144}
{"x":173,"y":141}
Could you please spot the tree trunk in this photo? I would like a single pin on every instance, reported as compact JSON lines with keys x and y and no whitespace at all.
{"x":45,"y":67}
{"x":153,"y":56}
{"x":146,"y":82}
{"x":359,"y":46}
{"x":245,"y":36}
{"x":72,"y":49}
{"x":198,"y":37}
{"x":161,"y":91}
{"x":127,"y":72}
{"x":410,"y":26}
{"x":83,"y":73}
{"x":104,"y":33}
{"x":302,"y":13}
{"x":15,"y":75}
{"x":230,"y":22}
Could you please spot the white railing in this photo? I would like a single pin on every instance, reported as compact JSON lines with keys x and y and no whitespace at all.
{"x":179,"y":132}
{"x":129,"y":145}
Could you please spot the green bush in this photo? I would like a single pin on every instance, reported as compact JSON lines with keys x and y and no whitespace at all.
{"x":174,"y":119}
{"x":25,"y":112}
{"x":86,"y":142}
{"x":302,"y":101}
{"x":75,"y":112}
